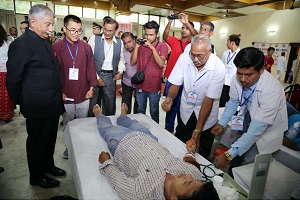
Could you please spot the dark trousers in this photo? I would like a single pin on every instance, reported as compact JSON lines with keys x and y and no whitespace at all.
{"x":127,"y":98}
{"x":185,"y":132}
{"x":224,"y":96}
{"x":40,"y":145}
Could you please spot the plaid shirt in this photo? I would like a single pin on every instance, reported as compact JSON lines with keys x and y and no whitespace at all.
{"x":139,"y":167}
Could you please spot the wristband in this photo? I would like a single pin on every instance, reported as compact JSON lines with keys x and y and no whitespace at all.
{"x":197,"y":131}
{"x":228,"y":156}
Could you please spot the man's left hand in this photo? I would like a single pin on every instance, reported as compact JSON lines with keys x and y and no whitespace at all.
{"x":89,"y":94}
{"x":222,"y":161}
{"x":103,"y":156}
{"x":196,"y":138}
{"x":117,"y":76}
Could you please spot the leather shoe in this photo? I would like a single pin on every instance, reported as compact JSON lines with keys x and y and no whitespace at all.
{"x":55,"y":171}
{"x":45,"y":182}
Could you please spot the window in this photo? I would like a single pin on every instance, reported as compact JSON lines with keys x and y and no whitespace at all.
{"x":35,"y":2}
{"x":143,"y":19}
{"x":100,"y":14}
{"x":22,"y":7}
{"x":154,"y":18}
{"x":89,"y":13}
{"x":73,"y":10}
{"x":61,"y":10}
{"x":7,"y":5}
{"x":134,"y":17}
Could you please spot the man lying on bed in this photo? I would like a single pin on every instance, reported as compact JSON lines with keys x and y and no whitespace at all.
{"x":142,"y":168}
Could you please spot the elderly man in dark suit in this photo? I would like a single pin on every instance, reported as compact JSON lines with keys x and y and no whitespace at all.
{"x":33,"y":82}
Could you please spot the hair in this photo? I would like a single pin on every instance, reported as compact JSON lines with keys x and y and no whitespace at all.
{"x":250,"y":57}
{"x":25,"y":22}
{"x":207,"y":191}
{"x":126,"y":34}
{"x":202,"y":38}
{"x":152,"y":25}
{"x":236,"y":38}
{"x":39,"y":11}
{"x":110,"y":20}
{"x":209,"y":23}
{"x":84,"y":38}
{"x":106,"y":17}
{"x":13,"y":28}
{"x":73,"y":18}
{"x":282,"y":53}
{"x":59,"y":34}
{"x":3,"y":35}
{"x":271,"y":48}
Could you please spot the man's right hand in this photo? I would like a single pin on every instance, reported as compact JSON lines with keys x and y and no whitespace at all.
{"x":217,"y":129}
{"x":166,"y":104}
{"x":101,"y":82}
{"x":64,"y":97}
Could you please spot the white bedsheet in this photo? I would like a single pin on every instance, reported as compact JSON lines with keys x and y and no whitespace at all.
{"x":84,"y":144}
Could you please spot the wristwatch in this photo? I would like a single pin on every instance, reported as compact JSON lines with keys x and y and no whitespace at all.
{"x":228,"y":156}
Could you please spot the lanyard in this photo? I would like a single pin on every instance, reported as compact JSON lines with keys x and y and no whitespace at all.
{"x":241,"y":102}
{"x":199,"y":78}
{"x":106,"y":52}
{"x":228,"y":57}
{"x":71,"y":52}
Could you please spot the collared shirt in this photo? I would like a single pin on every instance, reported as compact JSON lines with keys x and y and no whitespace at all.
{"x":210,"y":85}
{"x":268,"y":115}
{"x":177,"y":47}
{"x":139,"y":167}
{"x":228,"y":58}
{"x":281,"y":63}
{"x":121,"y":65}
{"x":130,"y":70}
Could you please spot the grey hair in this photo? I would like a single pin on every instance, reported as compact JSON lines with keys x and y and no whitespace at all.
{"x":202,"y":38}
{"x":209,"y":23}
{"x":40,"y":11}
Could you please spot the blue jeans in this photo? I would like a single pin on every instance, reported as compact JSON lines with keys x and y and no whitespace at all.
{"x":175,"y":109}
{"x":114,"y":134}
{"x":154,"y":97}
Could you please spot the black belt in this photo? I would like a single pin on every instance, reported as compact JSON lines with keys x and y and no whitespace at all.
{"x":106,"y":71}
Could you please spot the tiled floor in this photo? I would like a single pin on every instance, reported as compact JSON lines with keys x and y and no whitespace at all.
{"x":14,"y":181}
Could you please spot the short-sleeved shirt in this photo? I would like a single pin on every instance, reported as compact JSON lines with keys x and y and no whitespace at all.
{"x":268,"y":61}
{"x":153,"y":73}
{"x":228,"y":58}
{"x":177,"y":47}
{"x":210,"y":85}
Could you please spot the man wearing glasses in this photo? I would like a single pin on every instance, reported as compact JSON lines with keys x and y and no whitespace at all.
{"x":202,"y":76}
{"x":110,"y":64}
{"x":76,"y":62}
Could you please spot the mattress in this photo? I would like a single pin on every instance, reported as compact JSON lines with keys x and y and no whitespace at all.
{"x":84,"y":145}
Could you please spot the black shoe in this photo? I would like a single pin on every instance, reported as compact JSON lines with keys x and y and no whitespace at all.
{"x":46,"y":182}
{"x":55,"y":171}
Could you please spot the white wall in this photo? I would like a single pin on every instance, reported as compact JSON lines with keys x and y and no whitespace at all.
{"x":253,"y":28}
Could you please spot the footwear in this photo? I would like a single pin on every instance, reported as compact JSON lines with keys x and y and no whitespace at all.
{"x":55,"y":171}
{"x":65,"y":154}
{"x":45,"y":182}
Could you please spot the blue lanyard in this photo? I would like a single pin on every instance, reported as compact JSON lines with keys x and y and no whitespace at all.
{"x":199,"y":78}
{"x":228,"y":57}
{"x":71,"y":52}
{"x":106,"y":53}
{"x":241,"y":101}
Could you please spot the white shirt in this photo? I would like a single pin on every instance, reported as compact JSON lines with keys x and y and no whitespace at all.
{"x":210,"y":85}
{"x":281,"y":63}
{"x":110,"y":50}
{"x":268,"y":105}
{"x":3,"y":56}
{"x":228,"y":58}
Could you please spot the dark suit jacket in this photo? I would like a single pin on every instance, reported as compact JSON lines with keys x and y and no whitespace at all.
{"x":32,"y":79}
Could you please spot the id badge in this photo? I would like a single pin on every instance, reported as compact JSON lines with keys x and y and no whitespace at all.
{"x":73,"y":74}
{"x":237,"y":122}
{"x":192,"y":97}
{"x":106,"y":64}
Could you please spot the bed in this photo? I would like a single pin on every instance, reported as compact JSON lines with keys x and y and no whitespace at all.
{"x":84,"y":144}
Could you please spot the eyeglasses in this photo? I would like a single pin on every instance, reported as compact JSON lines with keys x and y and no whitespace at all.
{"x":207,"y":30}
{"x":199,"y":56}
{"x":73,"y":32}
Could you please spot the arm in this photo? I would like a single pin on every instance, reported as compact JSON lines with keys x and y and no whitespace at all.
{"x":184,"y":19}
{"x":166,"y":31}
{"x":160,"y":60}
{"x":91,"y":75}
{"x":121,"y":65}
{"x":133,"y":58}
{"x":172,"y":93}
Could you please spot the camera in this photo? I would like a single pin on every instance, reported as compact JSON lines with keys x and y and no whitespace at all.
{"x":140,"y":41}
{"x":173,"y":16}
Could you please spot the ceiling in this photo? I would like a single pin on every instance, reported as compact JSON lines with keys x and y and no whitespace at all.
{"x":198,"y":10}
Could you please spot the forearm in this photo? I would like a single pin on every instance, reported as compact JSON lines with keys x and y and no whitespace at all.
{"x":191,"y":28}
{"x":166,"y":31}
{"x":204,"y":112}
{"x":173,"y":91}
{"x":133,"y":58}
{"x":229,"y":111}
{"x":160,"y":60}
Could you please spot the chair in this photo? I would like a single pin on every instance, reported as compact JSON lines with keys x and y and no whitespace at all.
{"x":292,"y":93}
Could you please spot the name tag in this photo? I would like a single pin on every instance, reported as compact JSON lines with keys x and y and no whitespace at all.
{"x":237,"y":123}
{"x":192,"y":97}
{"x":73,"y":74}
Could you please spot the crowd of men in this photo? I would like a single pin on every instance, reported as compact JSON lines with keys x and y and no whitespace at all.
{"x":70,"y":77}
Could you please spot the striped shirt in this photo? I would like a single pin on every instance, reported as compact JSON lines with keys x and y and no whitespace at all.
{"x":139,"y":167}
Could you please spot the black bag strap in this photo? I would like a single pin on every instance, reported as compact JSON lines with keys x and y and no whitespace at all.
{"x":150,"y":57}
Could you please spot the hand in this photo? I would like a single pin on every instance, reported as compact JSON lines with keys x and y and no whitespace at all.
{"x":217,"y":129}
{"x":103,"y":156}
{"x":166,"y":104}
{"x":191,"y":146}
{"x":171,"y":13}
{"x":183,"y":18}
{"x":196,"y":138}
{"x":89,"y":94}
{"x":64,"y":97}
{"x":222,"y":161}
{"x":101,"y":82}
{"x":117,"y":76}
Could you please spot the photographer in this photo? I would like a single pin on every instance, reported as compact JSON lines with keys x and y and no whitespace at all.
{"x":149,"y":56}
